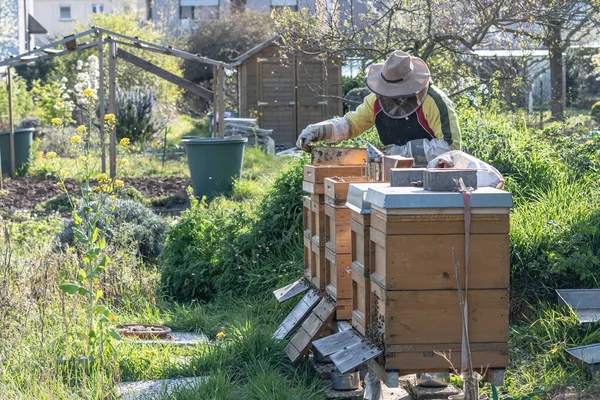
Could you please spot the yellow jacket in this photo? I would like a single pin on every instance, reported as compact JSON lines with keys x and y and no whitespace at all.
{"x":436,"y":116}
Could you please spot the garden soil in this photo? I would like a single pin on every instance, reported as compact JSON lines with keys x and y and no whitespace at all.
{"x":26,"y":193}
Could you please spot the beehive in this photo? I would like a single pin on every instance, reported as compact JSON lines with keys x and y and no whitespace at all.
{"x":314,"y":184}
{"x":414,"y":304}
{"x":338,"y":257}
{"x":360,"y":221}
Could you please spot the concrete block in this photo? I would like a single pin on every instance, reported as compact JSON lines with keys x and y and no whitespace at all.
{"x":445,"y":179}
{"x":404,"y":177}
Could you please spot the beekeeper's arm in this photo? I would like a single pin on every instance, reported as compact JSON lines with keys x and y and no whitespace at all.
{"x":353,"y":124}
{"x":441,"y":117}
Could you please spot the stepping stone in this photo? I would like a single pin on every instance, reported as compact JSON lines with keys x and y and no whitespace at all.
{"x":177,"y":339}
{"x":344,"y":394}
{"x":147,"y":390}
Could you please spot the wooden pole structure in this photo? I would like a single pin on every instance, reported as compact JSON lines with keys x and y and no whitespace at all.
{"x":112,"y":99}
{"x":215,"y":101}
{"x":12,"y":125}
{"x":101,"y":99}
{"x":221,"y":90}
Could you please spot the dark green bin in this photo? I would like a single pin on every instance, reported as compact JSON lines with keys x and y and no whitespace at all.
{"x":23,"y":142}
{"x":214,"y":164}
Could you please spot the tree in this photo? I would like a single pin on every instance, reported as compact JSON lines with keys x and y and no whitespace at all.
{"x":556,"y":24}
{"x":434,"y":30}
{"x":225,"y":38}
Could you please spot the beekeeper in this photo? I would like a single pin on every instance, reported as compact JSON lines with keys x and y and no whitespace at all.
{"x":408,"y":111}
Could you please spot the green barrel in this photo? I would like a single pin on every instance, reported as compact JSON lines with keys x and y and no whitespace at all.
{"x":214,"y":164}
{"x":23,"y":142}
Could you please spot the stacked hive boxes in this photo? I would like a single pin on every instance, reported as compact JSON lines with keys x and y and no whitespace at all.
{"x":414,"y":304}
{"x":315,"y":235}
{"x":338,"y":256}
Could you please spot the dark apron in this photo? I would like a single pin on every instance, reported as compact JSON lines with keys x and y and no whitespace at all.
{"x":403,"y":130}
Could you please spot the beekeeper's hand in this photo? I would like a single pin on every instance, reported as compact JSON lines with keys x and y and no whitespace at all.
{"x":330,"y":131}
{"x":311,"y":133}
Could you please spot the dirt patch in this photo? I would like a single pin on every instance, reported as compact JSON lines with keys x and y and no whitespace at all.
{"x":26,"y":193}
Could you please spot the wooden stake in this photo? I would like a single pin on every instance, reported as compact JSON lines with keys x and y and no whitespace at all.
{"x":112,"y":89}
{"x":101,"y":99}
{"x":221,"y":90}
{"x":12,"y":125}
{"x":215,"y":101}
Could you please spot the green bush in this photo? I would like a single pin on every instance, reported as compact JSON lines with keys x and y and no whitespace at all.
{"x":130,"y":223}
{"x":237,"y":247}
{"x":136,"y":113}
{"x":595,"y":112}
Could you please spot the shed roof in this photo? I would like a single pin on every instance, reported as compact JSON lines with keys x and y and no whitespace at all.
{"x":256,"y":49}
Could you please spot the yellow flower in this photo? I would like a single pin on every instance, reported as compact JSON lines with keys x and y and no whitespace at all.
{"x":123,"y":162}
{"x":102,"y":177}
{"x":81,"y":129}
{"x":124,"y":142}
{"x":109,"y":118}
{"x":39,"y":154}
{"x":56,"y":121}
{"x":50,"y":155}
{"x":119,"y":183}
{"x":82,"y":159}
{"x":76,"y":139}
{"x":88,"y":92}
{"x":221,"y":335}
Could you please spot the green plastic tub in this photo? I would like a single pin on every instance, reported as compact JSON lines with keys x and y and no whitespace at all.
{"x":23,"y":142}
{"x":214,"y":164}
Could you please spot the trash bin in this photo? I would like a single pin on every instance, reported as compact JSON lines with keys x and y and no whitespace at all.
{"x":214,"y":163}
{"x":23,"y":142}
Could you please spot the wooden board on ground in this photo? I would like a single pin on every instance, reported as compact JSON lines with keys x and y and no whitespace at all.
{"x":311,"y":328}
{"x":354,"y":356}
{"x":338,"y":342}
{"x":297,"y":315}
{"x":291,"y":290}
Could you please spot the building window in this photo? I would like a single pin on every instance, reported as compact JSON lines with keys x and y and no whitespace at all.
{"x":97,"y":8}
{"x":281,"y":4}
{"x":187,"y":12}
{"x":65,"y":13}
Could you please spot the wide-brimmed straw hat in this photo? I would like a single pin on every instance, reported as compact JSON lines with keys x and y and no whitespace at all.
{"x":401,"y":75}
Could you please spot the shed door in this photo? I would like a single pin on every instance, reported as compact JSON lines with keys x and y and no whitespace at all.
{"x":311,"y":102}
{"x":276,"y":104}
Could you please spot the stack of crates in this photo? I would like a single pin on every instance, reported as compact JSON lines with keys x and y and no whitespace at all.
{"x":314,"y":216}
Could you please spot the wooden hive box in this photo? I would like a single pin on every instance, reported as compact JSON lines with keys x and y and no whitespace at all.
{"x":315,"y":224}
{"x":338,"y":246}
{"x":360,"y":217}
{"x":415,"y":312}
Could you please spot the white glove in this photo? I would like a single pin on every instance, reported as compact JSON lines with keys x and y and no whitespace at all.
{"x":310,"y":134}
{"x":332,"y":130}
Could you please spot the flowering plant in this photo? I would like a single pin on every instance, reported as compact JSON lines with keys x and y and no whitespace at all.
{"x":96,"y":188}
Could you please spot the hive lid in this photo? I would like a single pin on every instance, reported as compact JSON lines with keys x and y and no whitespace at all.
{"x":411,"y":197}
{"x":357,"y":193}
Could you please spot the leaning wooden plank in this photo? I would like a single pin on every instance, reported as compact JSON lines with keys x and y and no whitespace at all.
{"x":181,"y":82}
{"x":311,"y":328}
{"x":354,"y":356}
{"x":297,"y":315}
{"x":338,"y":342}
{"x":291,"y":290}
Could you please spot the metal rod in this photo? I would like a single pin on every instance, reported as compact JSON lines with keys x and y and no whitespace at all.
{"x":53,"y":44}
{"x":18,"y":60}
{"x":112,"y":88}
{"x":215,"y":101}
{"x":175,"y":52}
{"x":101,"y":100}
{"x":12,"y":125}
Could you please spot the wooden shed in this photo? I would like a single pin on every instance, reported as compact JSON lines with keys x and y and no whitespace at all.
{"x":287,"y":93}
